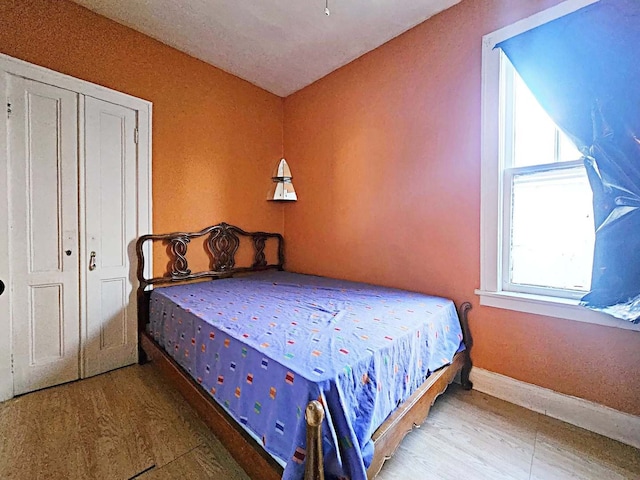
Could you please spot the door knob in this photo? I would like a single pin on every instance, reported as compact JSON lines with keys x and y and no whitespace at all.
{"x":1,"y":287}
{"x":68,"y":253}
{"x":92,"y":261}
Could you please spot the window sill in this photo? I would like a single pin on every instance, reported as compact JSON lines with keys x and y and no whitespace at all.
{"x":550,"y":307}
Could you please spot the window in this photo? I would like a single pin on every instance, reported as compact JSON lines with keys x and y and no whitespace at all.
{"x":536,"y":211}
{"x":548,"y":216}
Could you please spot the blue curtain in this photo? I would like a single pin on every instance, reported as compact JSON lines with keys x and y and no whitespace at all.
{"x":584,"y":69}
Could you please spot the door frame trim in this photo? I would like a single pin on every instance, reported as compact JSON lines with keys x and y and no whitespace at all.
{"x":6,"y":375}
{"x":144,"y":110}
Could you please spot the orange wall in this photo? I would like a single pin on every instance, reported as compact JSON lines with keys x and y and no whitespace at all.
{"x":385,"y":154}
{"x":216,"y":138}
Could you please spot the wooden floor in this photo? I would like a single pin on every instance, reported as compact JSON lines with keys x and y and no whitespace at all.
{"x":128,"y":424}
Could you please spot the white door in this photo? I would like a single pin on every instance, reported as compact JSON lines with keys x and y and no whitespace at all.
{"x":110,"y":220}
{"x":43,"y":219}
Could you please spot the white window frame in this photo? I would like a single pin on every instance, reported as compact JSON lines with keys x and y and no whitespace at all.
{"x":492,"y":216}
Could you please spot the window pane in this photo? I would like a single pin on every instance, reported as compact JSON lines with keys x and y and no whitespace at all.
{"x":567,"y":151}
{"x":552,"y":232}
{"x":534,"y":132}
{"x":537,"y":140}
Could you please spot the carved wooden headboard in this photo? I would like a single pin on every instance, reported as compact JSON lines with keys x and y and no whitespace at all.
{"x":221,"y":246}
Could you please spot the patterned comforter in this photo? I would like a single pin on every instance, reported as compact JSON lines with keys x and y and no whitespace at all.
{"x":266,"y":344}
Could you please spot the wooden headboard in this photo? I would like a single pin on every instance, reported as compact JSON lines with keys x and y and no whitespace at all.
{"x":221,"y":245}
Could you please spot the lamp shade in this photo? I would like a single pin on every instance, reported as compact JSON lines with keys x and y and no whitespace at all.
{"x":282,"y":188}
{"x":282,"y":171}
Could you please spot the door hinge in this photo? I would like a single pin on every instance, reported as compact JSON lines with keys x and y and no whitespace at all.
{"x":135,"y":135}
{"x":12,"y":363}
{"x":9,"y":110}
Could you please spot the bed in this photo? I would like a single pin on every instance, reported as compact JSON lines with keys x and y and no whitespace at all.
{"x":299,"y":376}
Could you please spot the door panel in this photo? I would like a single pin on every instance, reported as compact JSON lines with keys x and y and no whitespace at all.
{"x":44,"y":202}
{"x":113,"y":332}
{"x":43,"y":216}
{"x":46,"y":336}
{"x":110,"y":219}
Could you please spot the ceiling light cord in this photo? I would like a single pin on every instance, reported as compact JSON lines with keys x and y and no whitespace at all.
{"x":327,"y":12}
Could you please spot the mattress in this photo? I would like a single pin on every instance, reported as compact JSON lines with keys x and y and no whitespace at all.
{"x":266,"y":344}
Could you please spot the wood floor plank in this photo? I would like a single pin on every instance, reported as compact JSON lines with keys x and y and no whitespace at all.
{"x":117,"y":425}
{"x":203,"y":462}
{"x":169,"y":424}
{"x":564,"y":451}
{"x":108,"y":427}
{"x":467,"y":435}
{"x":136,"y":452}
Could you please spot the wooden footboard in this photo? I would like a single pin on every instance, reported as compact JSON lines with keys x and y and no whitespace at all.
{"x":389,"y":435}
{"x":411,"y":414}
{"x":259,"y":464}
{"x":314,"y":468}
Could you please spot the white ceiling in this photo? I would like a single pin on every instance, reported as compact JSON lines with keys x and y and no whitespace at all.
{"x":279,"y":45}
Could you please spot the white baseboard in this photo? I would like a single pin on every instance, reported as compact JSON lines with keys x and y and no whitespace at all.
{"x":585,"y":414}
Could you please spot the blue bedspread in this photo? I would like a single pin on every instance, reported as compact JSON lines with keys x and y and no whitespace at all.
{"x":264,"y":345}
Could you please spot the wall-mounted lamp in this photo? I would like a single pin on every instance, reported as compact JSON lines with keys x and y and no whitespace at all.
{"x":282,"y":188}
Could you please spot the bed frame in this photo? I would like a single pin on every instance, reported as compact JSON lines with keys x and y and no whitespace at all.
{"x":221,"y":246}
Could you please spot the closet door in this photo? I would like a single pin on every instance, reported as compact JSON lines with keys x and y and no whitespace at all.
{"x":43,"y":218}
{"x":110,"y":232}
